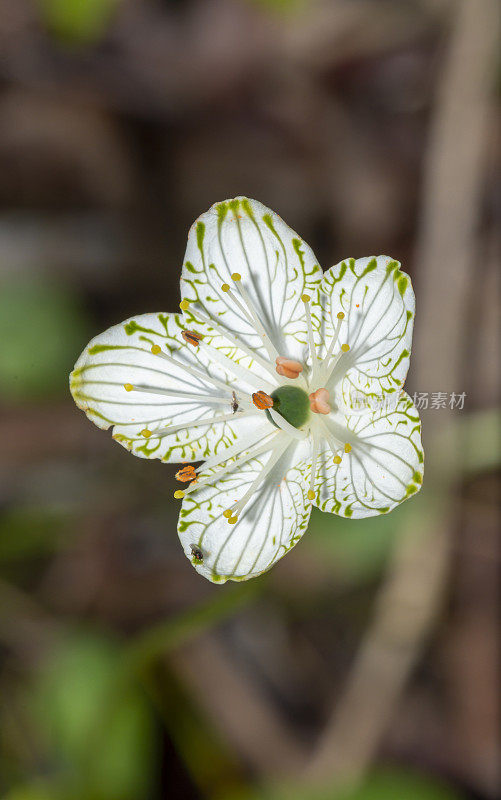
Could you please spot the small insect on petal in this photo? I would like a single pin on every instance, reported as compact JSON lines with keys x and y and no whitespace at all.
{"x":196,"y":553}
{"x":262,"y":400}
{"x":191,"y":337}
{"x":186,"y":474}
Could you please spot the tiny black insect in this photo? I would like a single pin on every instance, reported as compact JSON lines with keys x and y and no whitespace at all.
{"x":234,"y":403}
{"x":196,"y":552}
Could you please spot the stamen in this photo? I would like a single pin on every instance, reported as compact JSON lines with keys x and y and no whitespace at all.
{"x":262,"y":400}
{"x":313,"y":355}
{"x":191,"y":337}
{"x":237,"y":448}
{"x":207,"y":398}
{"x":166,"y":430}
{"x":329,"y":368}
{"x":235,"y":369}
{"x":288,"y":368}
{"x":335,"y":444}
{"x":282,"y":423}
{"x":197,"y":373}
{"x":279,"y":449}
{"x":234,"y":340}
{"x":335,"y":335}
{"x":347,"y":448}
{"x":319,"y":401}
{"x":227,"y":290}
{"x":146,"y":433}
{"x":236,"y":463}
{"x":316,"y":444}
{"x":253,"y":314}
{"x":186,"y":474}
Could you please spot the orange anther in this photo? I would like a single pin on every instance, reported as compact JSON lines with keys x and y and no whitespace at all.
{"x":319,"y":401}
{"x":288,"y":368}
{"x":192,"y":337}
{"x":186,"y":474}
{"x":262,"y":400}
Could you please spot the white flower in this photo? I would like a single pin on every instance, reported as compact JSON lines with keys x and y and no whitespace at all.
{"x":285,"y":382}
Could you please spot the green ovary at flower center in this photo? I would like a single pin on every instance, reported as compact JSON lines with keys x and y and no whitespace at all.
{"x":292,"y":403}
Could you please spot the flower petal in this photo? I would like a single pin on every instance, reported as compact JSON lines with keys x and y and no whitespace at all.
{"x":271,"y":523}
{"x":174,"y":385}
{"x":276,"y":267}
{"x":383,"y":468}
{"x":378,"y":303}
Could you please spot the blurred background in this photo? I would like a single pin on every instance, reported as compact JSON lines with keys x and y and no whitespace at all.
{"x":365,"y":666}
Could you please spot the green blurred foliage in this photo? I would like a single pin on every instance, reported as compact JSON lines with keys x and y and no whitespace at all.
{"x":43,"y":327}
{"x":28,"y":532}
{"x":284,"y":6}
{"x":33,"y":792}
{"x":98,"y":731}
{"x":78,"y":21}
{"x":357,"y":549}
{"x":383,"y":785}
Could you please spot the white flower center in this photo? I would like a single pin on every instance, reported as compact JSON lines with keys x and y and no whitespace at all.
{"x":283,"y":396}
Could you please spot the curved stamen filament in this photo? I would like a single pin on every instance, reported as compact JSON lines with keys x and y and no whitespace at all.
{"x":336,"y":445}
{"x":196,"y":373}
{"x":334,"y":339}
{"x":235,"y":464}
{"x":227,"y":289}
{"x":234,"y":340}
{"x":237,"y":448}
{"x":272,"y":352}
{"x":206,"y":398}
{"x":316,"y":447}
{"x":311,"y":340}
{"x":279,"y":449}
{"x":282,"y":423}
{"x":238,"y":371}
{"x":334,"y":362}
{"x":167,"y":429}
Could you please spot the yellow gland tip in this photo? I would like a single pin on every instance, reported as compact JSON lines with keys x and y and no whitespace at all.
{"x":156,"y":349}
{"x":345,"y":348}
{"x":337,"y":459}
{"x":184,"y":305}
{"x":311,"y":494}
{"x":225,"y":287}
{"x":236,"y":277}
{"x":232,"y":520}
{"x":227,"y":513}
{"x":340,"y":315}
{"x":347,"y":447}
{"x":179,"y":494}
{"x":146,"y":433}
{"x":305,"y":298}
{"x":128,"y":387}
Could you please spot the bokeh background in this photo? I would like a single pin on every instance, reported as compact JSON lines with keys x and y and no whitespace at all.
{"x":366,"y":664}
